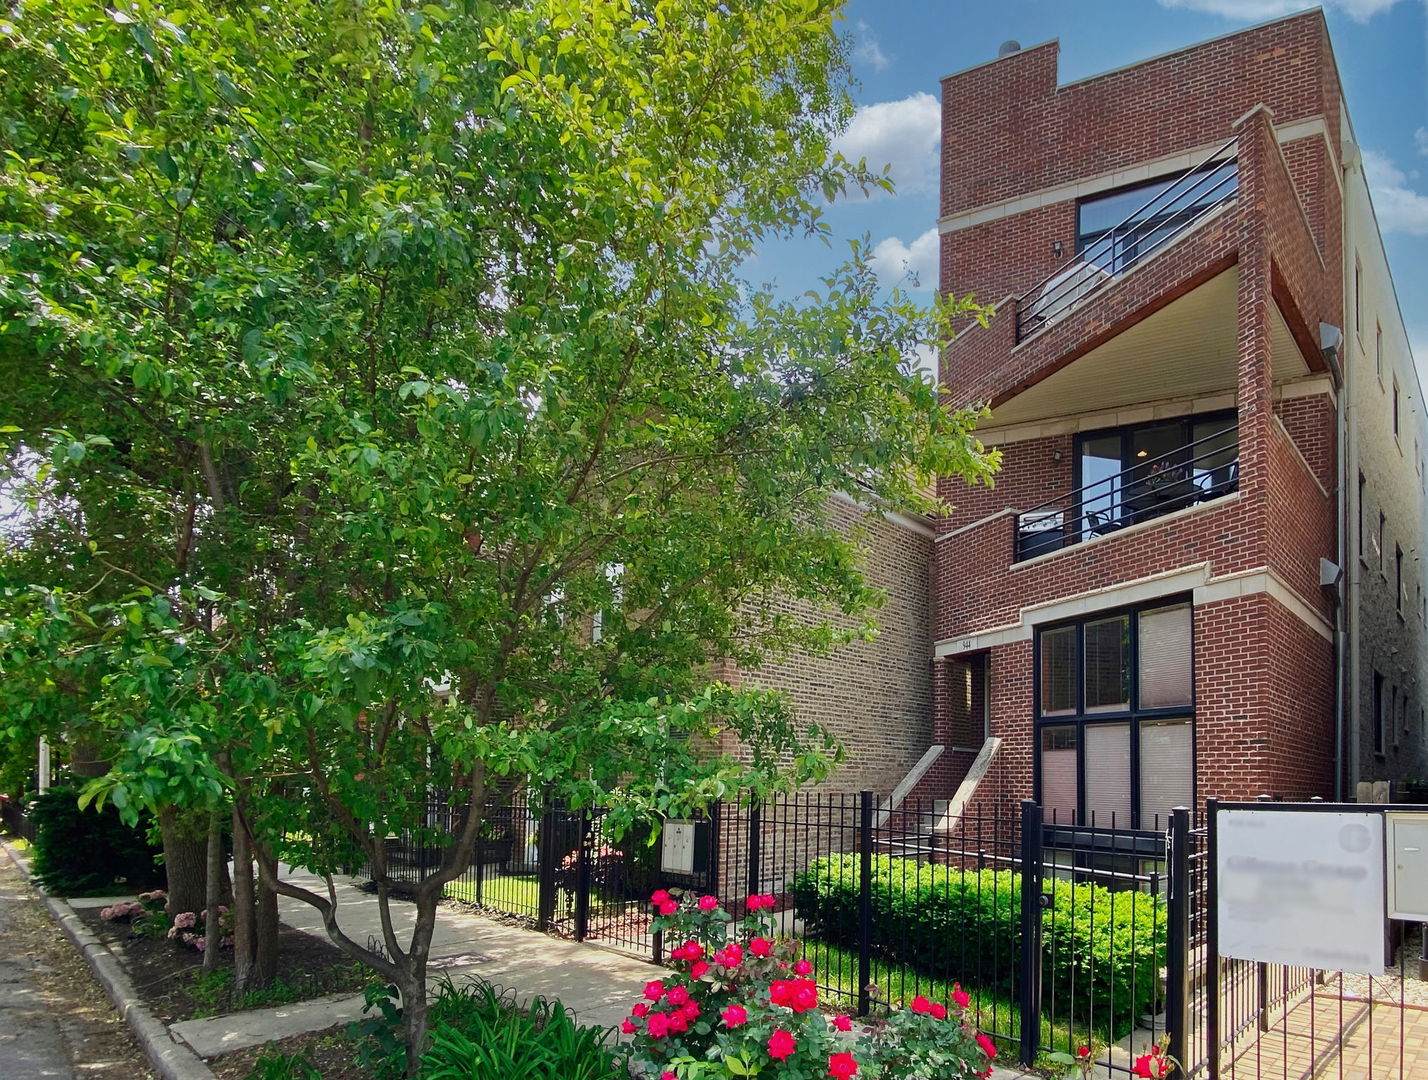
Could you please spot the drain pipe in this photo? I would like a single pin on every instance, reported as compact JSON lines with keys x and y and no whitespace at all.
{"x":1347,"y":565}
{"x":1347,"y":727}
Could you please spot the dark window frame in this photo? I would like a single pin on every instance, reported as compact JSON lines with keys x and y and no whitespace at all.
{"x":1132,"y":717}
{"x":1126,"y":434}
{"x":1148,"y":226}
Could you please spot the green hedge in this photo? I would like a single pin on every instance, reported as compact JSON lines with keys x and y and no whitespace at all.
{"x":89,"y":851}
{"x":1102,"y":950}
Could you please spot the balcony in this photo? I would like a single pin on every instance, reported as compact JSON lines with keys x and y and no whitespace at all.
{"x":1134,"y":475}
{"x":1155,"y":214}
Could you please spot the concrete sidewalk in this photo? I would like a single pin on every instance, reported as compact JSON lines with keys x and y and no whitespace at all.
{"x":596,"y":984}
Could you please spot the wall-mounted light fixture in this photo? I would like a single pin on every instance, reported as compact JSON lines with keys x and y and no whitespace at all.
{"x":1056,"y":248}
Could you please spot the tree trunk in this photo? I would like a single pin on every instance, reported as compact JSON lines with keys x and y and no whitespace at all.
{"x":243,"y":907}
{"x":185,"y":858}
{"x":213,"y":898}
{"x":265,"y":952}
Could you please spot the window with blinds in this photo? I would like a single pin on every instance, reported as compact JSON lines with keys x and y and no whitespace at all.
{"x":1166,"y":655}
{"x":1167,"y":770}
{"x":1114,"y":701}
{"x":1108,"y":775}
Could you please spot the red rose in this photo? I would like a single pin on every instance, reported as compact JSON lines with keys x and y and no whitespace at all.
{"x":1083,"y":1052}
{"x":658,"y":1025}
{"x":690,"y":1009}
{"x":803,"y":967}
{"x":678,"y":1022}
{"x":842,"y":1023}
{"x":920,"y":1004}
{"x":988,"y":1047}
{"x":779,"y":991}
{"x":669,"y":907}
{"x":667,"y":1075}
{"x":960,"y":996}
{"x":804,"y":996}
{"x":641,"y":1010}
{"x":628,"y":1027}
{"x":654,"y":990}
{"x":760,"y":946}
{"x":659,"y":896}
{"x":781,"y":1045}
{"x":938,"y":1011}
{"x":678,"y":995}
{"x":698,"y":969}
{"x":692,"y":950}
{"x":734,"y":1015}
{"x":708,"y":903}
{"x":842,"y":1065}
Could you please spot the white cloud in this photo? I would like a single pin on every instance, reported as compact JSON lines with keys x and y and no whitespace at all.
{"x":868,"y":51}
{"x":1420,"y":137}
{"x":1358,"y":10}
{"x":904,"y":134}
{"x":1400,"y":209}
{"x":895,"y":261}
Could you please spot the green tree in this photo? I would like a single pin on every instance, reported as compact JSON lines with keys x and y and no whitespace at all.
{"x":355,"y":349}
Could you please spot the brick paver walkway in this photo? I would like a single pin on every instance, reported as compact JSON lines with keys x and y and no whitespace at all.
{"x":1328,"y":1037}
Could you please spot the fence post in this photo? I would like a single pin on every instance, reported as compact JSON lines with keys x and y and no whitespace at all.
{"x":755,"y":831}
{"x":1029,"y":992}
{"x":582,"y":876}
{"x":865,"y":900}
{"x":715,"y":818}
{"x":545,"y":860}
{"x":1213,"y":1001}
{"x":1177,"y":946}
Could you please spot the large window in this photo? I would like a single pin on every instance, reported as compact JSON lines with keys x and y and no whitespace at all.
{"x":1115,"y":718}
{"x":1147,"y":215}
{"x":1136,"y":473}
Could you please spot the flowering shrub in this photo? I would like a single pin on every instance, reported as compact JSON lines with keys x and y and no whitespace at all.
{"x":607,"y":872}
{"x":191,"y":929}
{"x":1155,"y":1065}
{"x":740,"y":1002}
{"x":146,"y":907}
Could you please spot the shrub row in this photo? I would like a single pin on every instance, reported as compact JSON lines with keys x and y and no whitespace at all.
{"x":1102,"y":950}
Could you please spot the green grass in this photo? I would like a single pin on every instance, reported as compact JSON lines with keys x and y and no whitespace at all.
{"x":515,"y":894}
{"x":837,"y":967}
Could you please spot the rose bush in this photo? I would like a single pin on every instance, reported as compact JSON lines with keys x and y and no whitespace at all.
{"x":740,"y":1002}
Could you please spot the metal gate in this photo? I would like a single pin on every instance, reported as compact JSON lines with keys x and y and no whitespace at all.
{"x":1267,"y":1020}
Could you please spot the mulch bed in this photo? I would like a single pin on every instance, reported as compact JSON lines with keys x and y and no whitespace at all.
{"x":165,"y":974}
{"x":329,"y":1052}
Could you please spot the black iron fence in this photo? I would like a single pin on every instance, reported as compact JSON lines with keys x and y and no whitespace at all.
{"x":1060,"y":933}
{"x":17,"y":823}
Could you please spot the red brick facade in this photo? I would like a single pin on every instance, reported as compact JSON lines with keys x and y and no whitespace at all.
{"x":1263,"y":655}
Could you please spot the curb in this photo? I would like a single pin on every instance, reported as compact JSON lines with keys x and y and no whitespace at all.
{"x":170,"y":1059}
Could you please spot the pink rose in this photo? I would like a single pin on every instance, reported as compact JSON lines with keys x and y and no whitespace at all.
{"x":669,"y":907}
{"x":842,"y":1066}
{"x":708,"y":903}
{"x":842,"y":1023}
{"x":658,"y":1025}
{"x":803,"y":967}
{"x":654,"y":989}
{"x":659,"y":896}
{"x":678,"y":995}
{"x":641,"y":1010}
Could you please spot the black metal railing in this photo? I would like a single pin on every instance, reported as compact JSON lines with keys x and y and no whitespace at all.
{"x":1197,"y":472}
{"x":17,"y":823}
{"x":1164,"y":217}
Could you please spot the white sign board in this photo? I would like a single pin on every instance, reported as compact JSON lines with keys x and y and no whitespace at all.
{"x":1300,"y":887}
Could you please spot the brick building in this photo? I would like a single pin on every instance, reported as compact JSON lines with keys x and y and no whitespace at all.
{"x":1199,"y":572}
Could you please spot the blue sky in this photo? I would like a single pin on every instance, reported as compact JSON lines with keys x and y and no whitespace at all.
{"x":903,"y":47}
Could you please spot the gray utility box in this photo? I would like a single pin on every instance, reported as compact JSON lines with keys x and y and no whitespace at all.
{"x":1407,"y":841}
